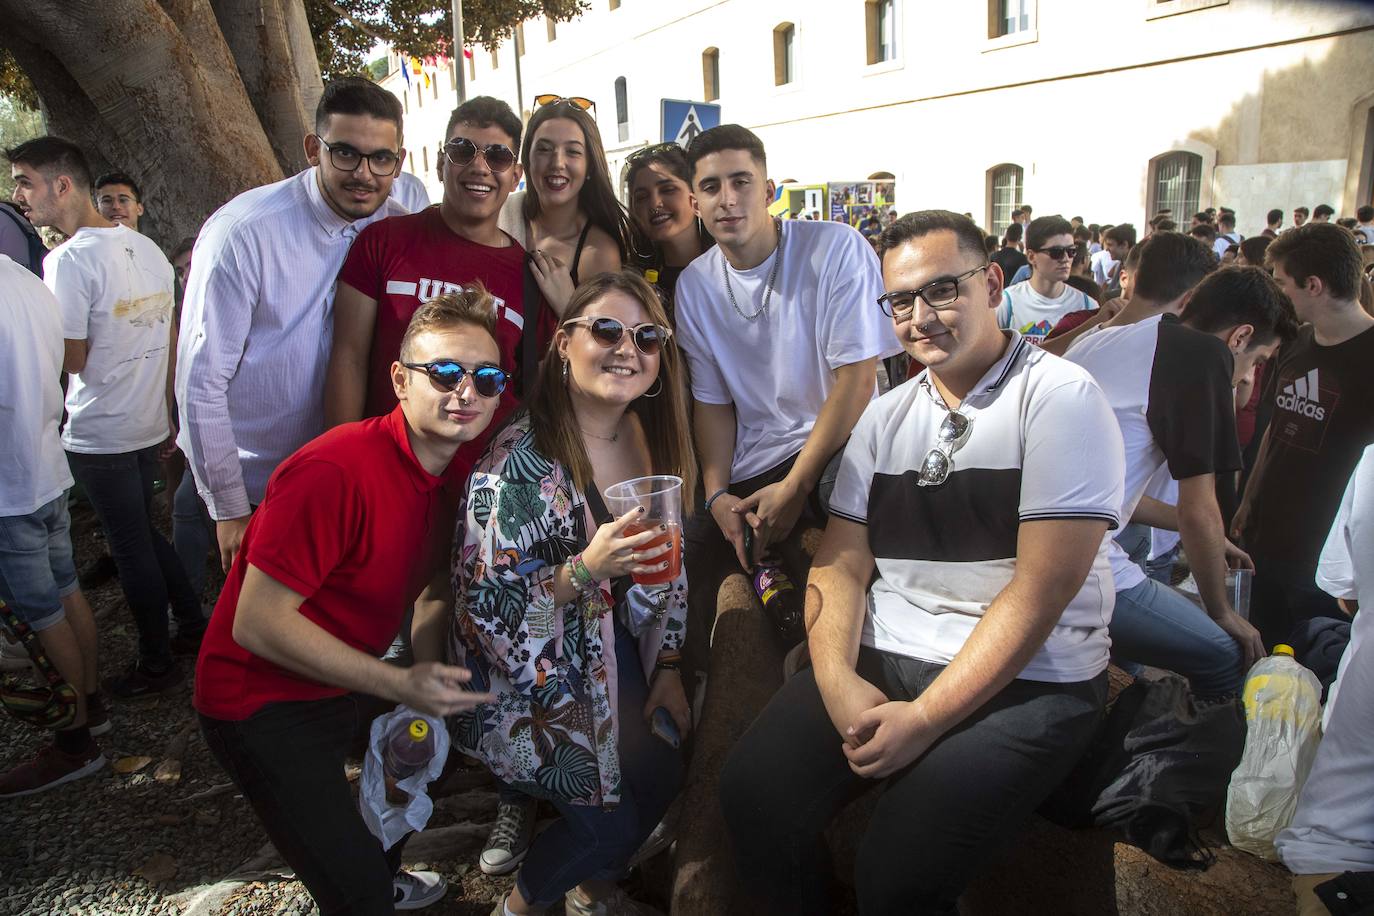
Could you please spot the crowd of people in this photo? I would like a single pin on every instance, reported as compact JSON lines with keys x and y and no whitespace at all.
{"x":392,"y":424}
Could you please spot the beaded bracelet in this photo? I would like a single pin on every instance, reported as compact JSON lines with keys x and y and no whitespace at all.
{"x":579,"y":575}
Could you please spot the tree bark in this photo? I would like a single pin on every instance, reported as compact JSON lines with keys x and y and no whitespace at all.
{"x":151,"y":89}
{"x":308,"y":79}
{"x":258,"y":38}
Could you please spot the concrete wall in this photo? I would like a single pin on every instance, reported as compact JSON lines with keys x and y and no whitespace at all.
{"x":1265,"y":89}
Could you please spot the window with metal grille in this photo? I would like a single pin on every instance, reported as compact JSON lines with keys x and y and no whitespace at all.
{"x":1014,"y":16}
{"x":880,"y":21}
{"x":1177,"y":184}
{"x":1005,"y":184}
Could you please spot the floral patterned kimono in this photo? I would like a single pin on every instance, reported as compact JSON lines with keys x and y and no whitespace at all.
{"x":552,"y":728}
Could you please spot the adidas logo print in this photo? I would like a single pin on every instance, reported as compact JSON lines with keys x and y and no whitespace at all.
{"x":1303,"y":396}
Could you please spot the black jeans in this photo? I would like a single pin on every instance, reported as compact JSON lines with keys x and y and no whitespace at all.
{"x":120,"y":488}
{"x":710,"y":558}
{"x":1280,"y":599}
{"x":288,"y":760}
{"x":937,"y":822}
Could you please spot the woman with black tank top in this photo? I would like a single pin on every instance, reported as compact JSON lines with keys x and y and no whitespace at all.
{"x":663,"y":207}
{"x":577,"y":658}
{"x":567,"y":217}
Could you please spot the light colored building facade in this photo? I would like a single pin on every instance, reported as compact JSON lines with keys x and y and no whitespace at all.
{"x":1108,"y":109}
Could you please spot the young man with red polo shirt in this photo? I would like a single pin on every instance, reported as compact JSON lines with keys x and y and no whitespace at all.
{"x":337,"y":550}
{"x":400,"y":263}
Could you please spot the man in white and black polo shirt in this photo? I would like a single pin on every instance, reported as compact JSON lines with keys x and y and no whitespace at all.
{"x":1170,"y":384}
{"x":971,"y":673}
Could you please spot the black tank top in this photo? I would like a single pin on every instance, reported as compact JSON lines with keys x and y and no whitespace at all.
{"x":577,"y":252}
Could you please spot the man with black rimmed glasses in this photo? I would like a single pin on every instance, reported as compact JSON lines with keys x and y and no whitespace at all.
{"x":957,"y":607}
{"x":1034,"y":306}
{"x":255,"y":331}
{"x":288,"y":675}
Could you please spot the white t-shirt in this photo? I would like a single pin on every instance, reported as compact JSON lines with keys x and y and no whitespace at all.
{"x":943,"y":553}
{"x":115,"y":289}
{"x":1103,"y":264}
{"x":33,"y":470}
{"x":778,"y":369}
{"x":409,"y":191}
{"x":1033,"y":315}
{"x":1225,"y":241}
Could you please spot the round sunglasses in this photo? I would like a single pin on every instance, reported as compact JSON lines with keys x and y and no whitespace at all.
{"x":608,"y":332}
{"x":461,"y":151}
{"x":446,"y":375}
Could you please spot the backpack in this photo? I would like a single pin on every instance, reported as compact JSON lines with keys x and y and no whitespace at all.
{"x":37,"y":249}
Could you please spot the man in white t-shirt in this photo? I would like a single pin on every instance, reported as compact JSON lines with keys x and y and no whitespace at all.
{"x":958,"y":606}
{"x":1333,"y":828}
{"x":115,"y":288}
{"x":1226,"y":233}
{"x":1033,"y":307}
{"x":37,"y":578}
{"x":783,"y":351}
{"x":1170,"y":383}
{"x":1364,"y":229}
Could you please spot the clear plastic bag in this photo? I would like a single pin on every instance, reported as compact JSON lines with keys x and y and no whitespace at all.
{"x":388,"y":822}
{"x":1283,"y":719}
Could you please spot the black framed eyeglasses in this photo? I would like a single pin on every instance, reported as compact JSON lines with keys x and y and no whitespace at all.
{"x":648,"y":338}
{"x":382,"y":162}
{"x":461,"y":151}
{"x":447,"y":375}
{"x":939,"y":293}
{"x":939,"y":461}
{"x":1059,"y":252}
{"x":577,"y":101}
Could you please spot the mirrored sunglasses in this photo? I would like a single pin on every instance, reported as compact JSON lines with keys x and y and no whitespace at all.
{"x":446,"y":375}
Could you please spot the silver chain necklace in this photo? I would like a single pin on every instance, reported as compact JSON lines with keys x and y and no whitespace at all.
{"x":767,"y":291}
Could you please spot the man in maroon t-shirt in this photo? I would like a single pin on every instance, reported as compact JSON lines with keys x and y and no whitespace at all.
{"x":289,"y":671}
{"x":400,"y":263}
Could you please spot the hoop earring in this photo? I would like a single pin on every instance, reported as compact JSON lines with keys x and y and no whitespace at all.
{"x":656,"y":393}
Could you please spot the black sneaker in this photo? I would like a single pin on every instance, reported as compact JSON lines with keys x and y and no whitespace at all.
{"x":138,"y":682}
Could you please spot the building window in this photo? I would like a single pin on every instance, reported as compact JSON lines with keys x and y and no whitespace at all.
{"x":1008,"y":17}
{"x":1177,"y":184}
{"x":550,"y":28}
{"x":880,"y":21}
{"x":1005,"y":186}
{"x":784,"y":53}
{"x":622,"y":109}
{"x":710,"y":74}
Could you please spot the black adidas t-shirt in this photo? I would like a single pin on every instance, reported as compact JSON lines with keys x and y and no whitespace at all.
{"x":1323,"y":418}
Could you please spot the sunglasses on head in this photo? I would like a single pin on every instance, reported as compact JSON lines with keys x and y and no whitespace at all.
{"x":648,"y":152}
{"x":553,"y":98}
{"x":608,"y":332}
{"x":1059,"y":252}
{"x":446,"y":375}
{"x":461,"y":151}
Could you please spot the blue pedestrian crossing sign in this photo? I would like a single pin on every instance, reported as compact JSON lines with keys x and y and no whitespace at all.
{"x":682,"y":121}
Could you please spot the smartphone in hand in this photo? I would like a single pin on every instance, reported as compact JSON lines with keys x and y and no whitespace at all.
{"x":663,"y":727}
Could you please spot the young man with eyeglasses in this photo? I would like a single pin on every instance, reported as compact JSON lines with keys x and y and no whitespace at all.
{"x":1170,"y":380}
{"x":256,"y":318}
{"x":118,"y":199}
{"x":957,"y":608}
{"x":289,"y":673}
{"x":1033,"y":307}
{"x":784,"y":359}
{"x":399,"y":264}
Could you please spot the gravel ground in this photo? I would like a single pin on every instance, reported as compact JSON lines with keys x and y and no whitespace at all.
{"x":133,"y":844}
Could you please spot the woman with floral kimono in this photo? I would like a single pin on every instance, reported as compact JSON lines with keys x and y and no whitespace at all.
{"x":577,"y":657}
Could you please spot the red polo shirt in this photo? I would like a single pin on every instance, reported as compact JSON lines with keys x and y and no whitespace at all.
{"x":346,"y":522}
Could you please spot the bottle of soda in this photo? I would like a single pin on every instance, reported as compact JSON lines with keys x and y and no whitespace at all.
{"x":408,"y":749}
{"x":781,"y":602}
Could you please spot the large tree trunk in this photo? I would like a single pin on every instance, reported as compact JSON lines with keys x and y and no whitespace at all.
{"x":259,"y":38}
{"x":150,"y":89}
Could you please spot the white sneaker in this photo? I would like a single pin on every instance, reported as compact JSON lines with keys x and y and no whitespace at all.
{"x":509,"y":839}
{"x":13,"y":657}
{"x":618,"y":903}
{"x":415,"y":890}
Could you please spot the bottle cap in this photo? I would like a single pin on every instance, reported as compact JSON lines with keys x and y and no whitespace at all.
{"x":419,"y":728}
{"x":651,"y":275}
{"x":1283,"y":649}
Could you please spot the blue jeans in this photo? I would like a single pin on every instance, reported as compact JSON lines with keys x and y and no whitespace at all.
{"x":120,"y":488}
{"x":36,"y":570}
{"x":1156,"y":625}
{"x":193,"y":532}
{"x":589,"y":843}
{"x":1135,"y":540}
